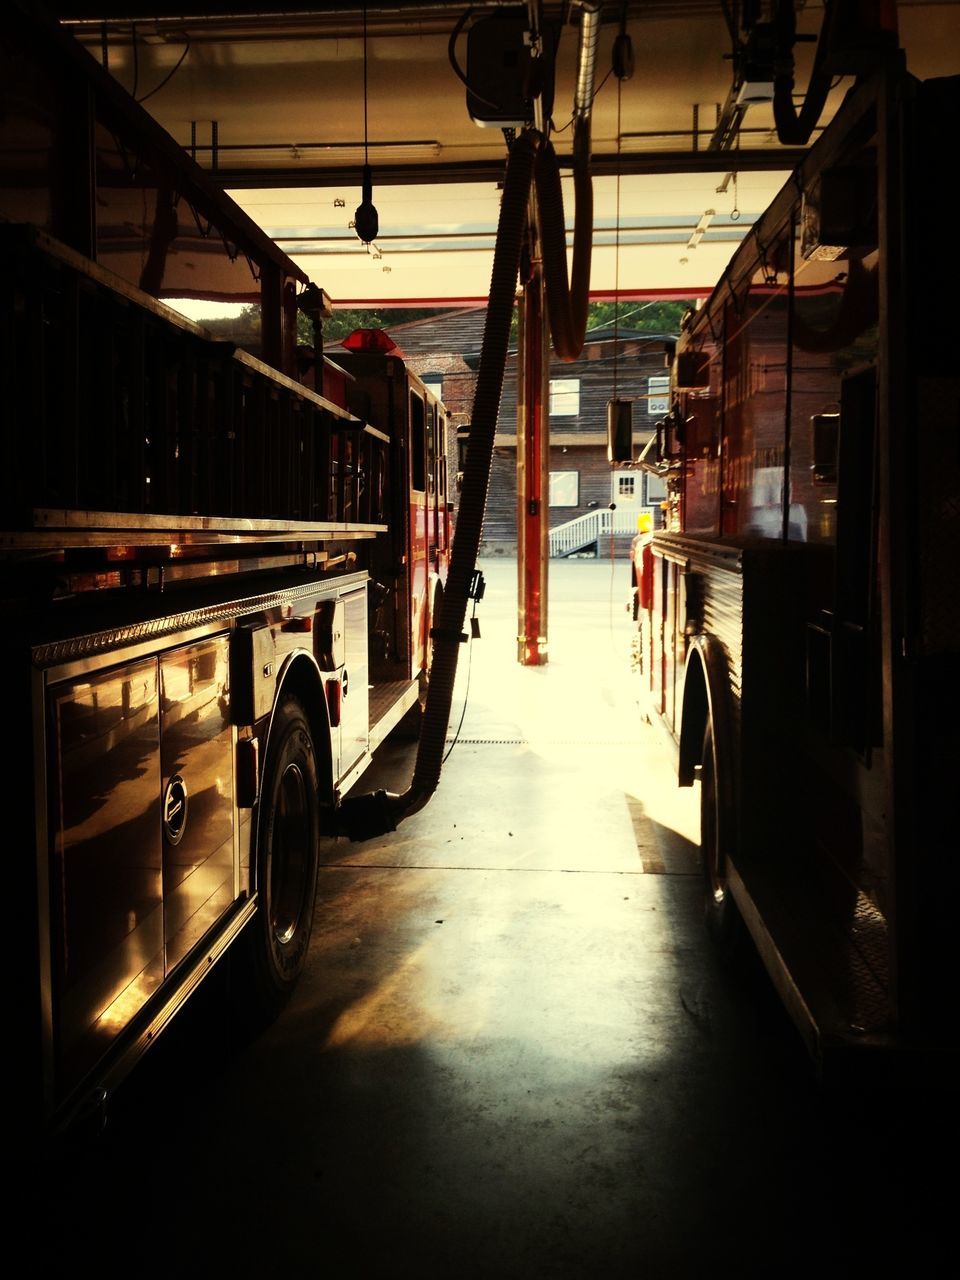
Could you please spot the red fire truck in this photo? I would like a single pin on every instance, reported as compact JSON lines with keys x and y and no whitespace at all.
{"x":799,"y":609}
{"x":379,"y":388}
{"x":217,"y":584}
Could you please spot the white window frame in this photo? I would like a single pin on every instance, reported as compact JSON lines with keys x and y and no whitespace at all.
{"x":654,"y":490}
{"x":564,"y":397}
{"x":561,"y":486}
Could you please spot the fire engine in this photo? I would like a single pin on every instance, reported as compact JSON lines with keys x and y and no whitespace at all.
{"x":218,"y":583}
{"x":799,"y":608}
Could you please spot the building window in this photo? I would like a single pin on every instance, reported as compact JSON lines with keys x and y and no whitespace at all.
{"x":418,"y":441}
{"x":654,"y":490}
{"x":564,"y":397}
{"x":433,"y":382}
{"x":564,"y":488}
{"x":626,"y":487}
{"x":658,"y":396}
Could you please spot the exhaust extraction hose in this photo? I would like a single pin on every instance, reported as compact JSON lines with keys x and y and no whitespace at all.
{"x":566,"y":302}
{"x":363,"y":817}
{"x":531,"y":160}
{"x":795,"y":127}
{"x":476,"y":474}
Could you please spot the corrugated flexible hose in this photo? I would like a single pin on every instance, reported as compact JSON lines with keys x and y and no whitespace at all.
{"x":476,"y":475}
{"x":531,"y":160}
{"x":366,"y":816}
{"x":566,"y":303}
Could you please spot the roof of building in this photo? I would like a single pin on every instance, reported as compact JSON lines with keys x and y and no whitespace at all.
{"x":459,"y":331}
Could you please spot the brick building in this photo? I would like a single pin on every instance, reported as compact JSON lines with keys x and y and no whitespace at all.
{"x":444,"y":351}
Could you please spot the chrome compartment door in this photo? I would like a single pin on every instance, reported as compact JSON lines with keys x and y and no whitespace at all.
{"x":197,"y":793}
{"x":107,"y":886}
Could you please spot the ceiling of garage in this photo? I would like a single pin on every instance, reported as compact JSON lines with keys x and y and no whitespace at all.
{"x":275,"y":103}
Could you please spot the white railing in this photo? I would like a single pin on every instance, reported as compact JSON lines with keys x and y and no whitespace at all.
{"x":574,"y":535}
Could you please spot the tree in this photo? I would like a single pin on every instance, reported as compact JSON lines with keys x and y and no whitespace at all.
{"x":344,"y":321}
{"x":631,"y":317}
{"x":638,"y":317}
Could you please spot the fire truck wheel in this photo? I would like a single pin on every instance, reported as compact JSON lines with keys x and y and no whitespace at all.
{"x":288,"y":833}
{"x":724,"y":921}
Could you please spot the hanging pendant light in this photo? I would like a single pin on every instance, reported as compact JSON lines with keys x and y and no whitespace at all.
{"x":366,"y":220}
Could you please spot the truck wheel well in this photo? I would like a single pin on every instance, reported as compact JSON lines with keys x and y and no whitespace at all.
{"x":302,"y":680}
{"x":695,"y":716}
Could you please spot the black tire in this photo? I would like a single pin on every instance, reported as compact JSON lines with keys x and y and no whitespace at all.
{"x":724,"y":922}
{"x":287,"y":857}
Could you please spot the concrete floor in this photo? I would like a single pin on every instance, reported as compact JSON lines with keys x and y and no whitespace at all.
{"x":512,"y":1053}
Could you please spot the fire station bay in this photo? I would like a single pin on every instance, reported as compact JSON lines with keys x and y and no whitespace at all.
{"x":479,"y":540}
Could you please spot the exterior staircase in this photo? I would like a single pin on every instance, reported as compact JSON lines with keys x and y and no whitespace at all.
{"x":590,"y":529}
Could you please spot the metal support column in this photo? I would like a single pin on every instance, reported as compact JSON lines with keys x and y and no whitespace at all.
{"x":533,"y":427}
{"x":533,"y":475}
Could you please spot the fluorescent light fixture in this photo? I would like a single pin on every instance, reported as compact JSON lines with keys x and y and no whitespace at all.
{"x":700,"y":228}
